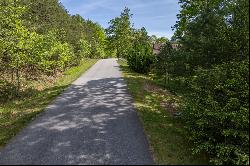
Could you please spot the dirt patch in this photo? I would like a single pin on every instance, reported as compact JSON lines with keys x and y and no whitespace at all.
{"x":168,"y":102}
{"x":172,"y":108}
{"x":155,"y":89}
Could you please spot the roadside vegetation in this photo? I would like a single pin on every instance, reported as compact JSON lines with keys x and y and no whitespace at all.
{"x":192,"y":99}
{"x":157,"y":110}
{"x":40,"y":38}
{"x":42,"y":50}
{"x":16,"y":113}
{"x":209,"y":69}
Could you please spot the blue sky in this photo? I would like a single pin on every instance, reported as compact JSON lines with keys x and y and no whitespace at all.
{"x":157,"y":16}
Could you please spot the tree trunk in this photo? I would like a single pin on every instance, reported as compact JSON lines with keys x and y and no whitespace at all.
{"x":12,"y":75}
{"x":18,"y":81}
{"x":18,"y":78}
{"x":166,"y":73}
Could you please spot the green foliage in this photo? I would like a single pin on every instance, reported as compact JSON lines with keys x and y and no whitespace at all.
{"x":163,"y":59}
{"x":45,"y":16}
{"x":97,"y":40}
{"x":213,"y":32}
{"x":7,"y":90}
{"x":217,"y":112}
{"x":166,"y":135}
{"x":83,"y":49}
{"x":119,"y":33}
{"x":212,"y":63}
{"x":16,"y":114}
{"x":163,"y":62}
{"x":40,"y":37}
{"x":171,"y":67}
{"x":153,"y":39}
{"x":140,"y":56}
{"x":162,"y":40}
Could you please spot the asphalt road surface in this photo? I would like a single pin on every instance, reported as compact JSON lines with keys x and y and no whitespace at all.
{"x":91,"y":122}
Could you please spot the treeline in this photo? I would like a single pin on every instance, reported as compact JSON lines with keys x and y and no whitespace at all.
{"x":40,"y":37}
{"x":210,"y":68}
{"x":213,"y":66}
{"x":132,"y":44}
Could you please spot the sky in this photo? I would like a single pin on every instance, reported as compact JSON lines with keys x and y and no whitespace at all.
{"x":157,"y":16}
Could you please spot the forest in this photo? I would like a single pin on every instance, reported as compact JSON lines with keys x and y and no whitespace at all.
{"x":210,"y":67}
{"x":41,"y":38}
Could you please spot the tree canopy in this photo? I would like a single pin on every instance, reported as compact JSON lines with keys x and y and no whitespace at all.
{"x":119,"y":33}
{"x":40,"y":37}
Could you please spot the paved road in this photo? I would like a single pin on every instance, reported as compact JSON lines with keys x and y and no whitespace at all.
{"x":92,"y":122}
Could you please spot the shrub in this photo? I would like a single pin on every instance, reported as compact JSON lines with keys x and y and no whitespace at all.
{"x":217,"y":112}
{"x":7,"y":90}
{"x":140,"y":58}
{"x":83,"y":49}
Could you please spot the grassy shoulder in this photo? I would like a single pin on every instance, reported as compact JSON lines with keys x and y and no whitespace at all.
{"x":156,"y":109}
{"x":15,"y":114}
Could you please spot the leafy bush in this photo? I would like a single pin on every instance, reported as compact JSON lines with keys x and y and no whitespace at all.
{"x":217,"y":112}
{"x":83,"y":49}
{"x":7,"y":90}
{"x":140,"y":58}
{"x":97,"y":50}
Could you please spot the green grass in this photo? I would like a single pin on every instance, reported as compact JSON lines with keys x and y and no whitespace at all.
{"x":165,"y":133}
{"x":17,"y":113}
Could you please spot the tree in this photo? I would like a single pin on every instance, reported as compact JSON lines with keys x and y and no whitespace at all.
{"x":153,"y":39}
{"x":213,"y":31}
{"x":44,"y":16}
{"x":164,"y":62}
{"x":97,"y":39}
{"x":161,"y":40}
{"x":215,"y":47}
{"x":41,"y":38}
{"x":119,"y":33}
{"x":140,"y":56}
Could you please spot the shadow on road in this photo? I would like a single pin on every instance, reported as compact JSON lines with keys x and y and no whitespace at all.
{"x":94,"y":123}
